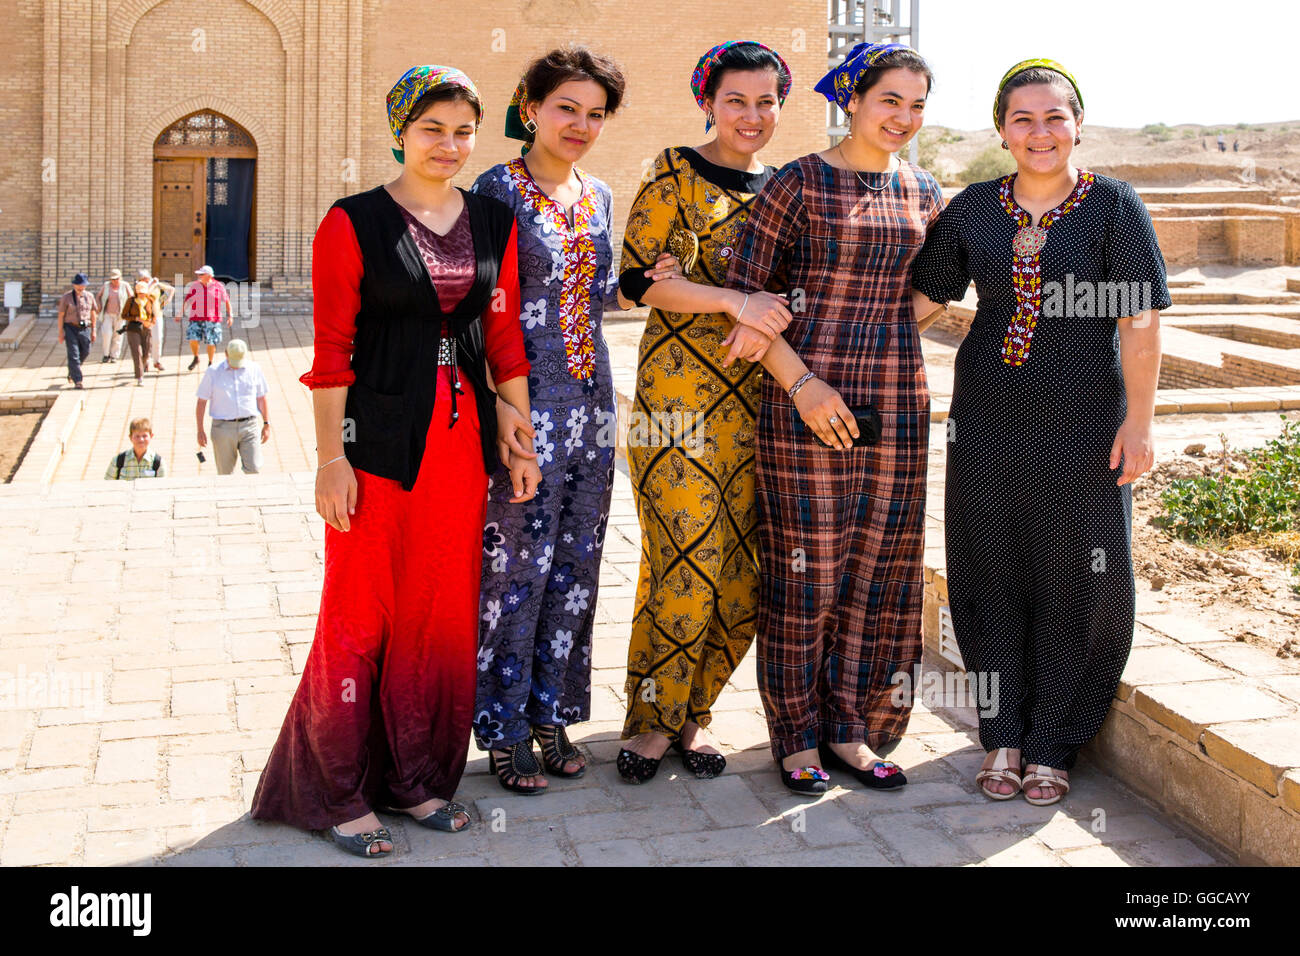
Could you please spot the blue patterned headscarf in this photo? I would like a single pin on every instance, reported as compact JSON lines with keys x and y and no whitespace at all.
{"x":838,"y":85}
{"x":414,"y":83}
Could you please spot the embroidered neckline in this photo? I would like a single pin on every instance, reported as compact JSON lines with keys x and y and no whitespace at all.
{"x":1026,"y":263}
{"x":579,"y":262}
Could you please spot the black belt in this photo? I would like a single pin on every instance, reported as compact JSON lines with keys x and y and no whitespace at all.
{"x":246,"y":418}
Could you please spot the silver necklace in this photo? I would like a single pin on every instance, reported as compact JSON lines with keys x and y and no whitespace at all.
{"x":889,"y":174}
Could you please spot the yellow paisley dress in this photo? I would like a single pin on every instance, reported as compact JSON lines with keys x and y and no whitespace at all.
{"x":690,"y":453}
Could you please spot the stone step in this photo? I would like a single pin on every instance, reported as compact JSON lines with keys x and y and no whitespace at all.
{"x":1205,"y":194}
{"x":1202,"y":296}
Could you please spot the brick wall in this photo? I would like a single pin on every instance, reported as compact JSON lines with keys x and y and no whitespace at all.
{"x":21,"y":91}
{"x":1257,"y":241}
{"x":657,"y":48}
{"x":89,"y":84}
{"x":1178,"y":240}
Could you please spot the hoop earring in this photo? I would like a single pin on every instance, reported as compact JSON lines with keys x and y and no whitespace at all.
{"x":530,"y":126}
{"x":1004,"y":145}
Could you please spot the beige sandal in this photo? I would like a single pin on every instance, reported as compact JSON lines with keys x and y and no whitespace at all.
{"x":1045,"y":777}
{"x":1002,"y":771}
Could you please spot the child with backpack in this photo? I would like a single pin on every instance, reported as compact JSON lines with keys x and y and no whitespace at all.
{"x":137,"y":461}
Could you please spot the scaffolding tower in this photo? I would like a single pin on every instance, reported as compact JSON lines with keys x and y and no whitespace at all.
{"x":873,"y":21}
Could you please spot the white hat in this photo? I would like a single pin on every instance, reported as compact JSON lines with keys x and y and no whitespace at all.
{"x":204,"y":271}
{"x":236,"y":349}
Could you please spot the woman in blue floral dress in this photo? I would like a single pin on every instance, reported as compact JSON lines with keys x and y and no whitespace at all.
{"x":541,"y":557}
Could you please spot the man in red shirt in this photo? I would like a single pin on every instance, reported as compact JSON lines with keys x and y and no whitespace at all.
{"x":203,"y":301}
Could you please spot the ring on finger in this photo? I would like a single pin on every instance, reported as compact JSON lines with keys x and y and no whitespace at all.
{"x":834,"y":419}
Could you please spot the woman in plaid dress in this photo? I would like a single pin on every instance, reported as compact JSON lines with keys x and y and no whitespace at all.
{"x":842,"y":526}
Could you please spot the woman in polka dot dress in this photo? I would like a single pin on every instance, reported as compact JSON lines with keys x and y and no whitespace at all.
{"x":1050,"y":423}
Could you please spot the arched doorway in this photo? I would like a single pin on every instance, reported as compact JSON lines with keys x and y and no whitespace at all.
{"x":204,"y":198}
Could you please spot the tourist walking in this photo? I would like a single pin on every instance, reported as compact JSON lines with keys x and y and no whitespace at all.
{"x":205,"y":300}
{"x":381,"y":718}
{"x":140,"y":315}
{"x":691,"y":443}
{"x":75,"y":317}
{"x":1050,"y":424}
{"x":112,"y":296}
{"x":234,"y":392}
{"x":162,"y":292}
{"x":842,"y":435}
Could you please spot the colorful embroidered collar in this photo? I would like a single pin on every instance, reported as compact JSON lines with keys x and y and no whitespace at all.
{"x":1026,"y":262}
{"x":579,"y":262}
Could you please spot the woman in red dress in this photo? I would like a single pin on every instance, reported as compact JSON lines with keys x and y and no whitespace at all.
{"x":416,"y":301}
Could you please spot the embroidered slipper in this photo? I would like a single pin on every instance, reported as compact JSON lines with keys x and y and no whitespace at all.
{"x":806,"y":781}
{"x":882,"y":775}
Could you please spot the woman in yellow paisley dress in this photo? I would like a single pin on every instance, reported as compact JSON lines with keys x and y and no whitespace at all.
{"x":691,"y":438}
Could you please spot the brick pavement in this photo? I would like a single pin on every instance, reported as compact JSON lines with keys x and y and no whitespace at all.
{"x":173,"y":618}
{"x":159,"y":630}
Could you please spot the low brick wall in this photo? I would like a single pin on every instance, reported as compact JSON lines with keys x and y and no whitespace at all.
{"x":1214,"y":747}
{"x":11,"y":404}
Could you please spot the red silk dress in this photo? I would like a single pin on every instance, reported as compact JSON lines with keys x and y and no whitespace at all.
{"x":382,"y":714}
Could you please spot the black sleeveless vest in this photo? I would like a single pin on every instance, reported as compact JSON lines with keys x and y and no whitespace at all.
{"x":395,"y":352}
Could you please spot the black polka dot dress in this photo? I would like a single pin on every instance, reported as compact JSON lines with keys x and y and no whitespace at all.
{"x":1039,"y":563}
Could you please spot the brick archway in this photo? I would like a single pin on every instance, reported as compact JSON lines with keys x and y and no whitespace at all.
{"x":279,"y":12}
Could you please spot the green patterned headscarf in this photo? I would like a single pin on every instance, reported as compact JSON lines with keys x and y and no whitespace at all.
{"x":517,"y":119}
{"x":1021,"y":67}
{"x":414,"y":83}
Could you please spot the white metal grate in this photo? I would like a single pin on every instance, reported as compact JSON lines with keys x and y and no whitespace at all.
{"x":948,"y":638}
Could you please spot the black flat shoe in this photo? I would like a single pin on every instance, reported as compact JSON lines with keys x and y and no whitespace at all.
{"x":704,"y":766}
{"x":522,"y":763}
{"x":635,"y":768}
{"x":882,"y":775}
{"x":193,"y":365}
{"x":806,"y":781}
{"x":558,"y":751}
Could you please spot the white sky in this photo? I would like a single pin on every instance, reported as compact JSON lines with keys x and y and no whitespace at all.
{"x":1137,"y":61}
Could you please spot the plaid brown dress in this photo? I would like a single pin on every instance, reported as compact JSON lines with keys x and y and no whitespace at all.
{"x":841,"y":532}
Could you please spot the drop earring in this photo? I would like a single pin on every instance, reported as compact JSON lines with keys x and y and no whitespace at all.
{"x":1078,"y":140}
{"x":1004,"y":145}
{"x":531,"y":126}
{"x":709,"y":117}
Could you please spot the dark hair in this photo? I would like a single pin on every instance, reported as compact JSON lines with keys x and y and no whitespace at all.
{"x":1033,"y":77}
{"x":443,"y":94}
{"x":745,"y":58}
{"x":545,"y":74}
{"x":897,"y":60}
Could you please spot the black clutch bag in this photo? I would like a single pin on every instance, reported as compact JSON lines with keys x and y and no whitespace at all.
{"x":869,"y":427}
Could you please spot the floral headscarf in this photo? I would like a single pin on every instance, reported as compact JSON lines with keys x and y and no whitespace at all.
{"x":700,"y":78}
{"x":414,"y":83}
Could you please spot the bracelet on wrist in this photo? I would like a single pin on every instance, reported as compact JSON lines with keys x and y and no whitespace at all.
{"x":742,"y":307}
{"x":803,"y":380}
{"x":330,"y":462}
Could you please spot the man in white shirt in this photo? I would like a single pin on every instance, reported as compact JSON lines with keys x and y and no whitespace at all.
{"x":236,"y":389}
{"x":112,"y":296}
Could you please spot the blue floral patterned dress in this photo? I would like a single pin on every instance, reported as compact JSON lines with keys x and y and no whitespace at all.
{"x":541,"y":558}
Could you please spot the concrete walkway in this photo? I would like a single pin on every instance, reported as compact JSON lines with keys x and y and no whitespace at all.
{"x":155,"y":632}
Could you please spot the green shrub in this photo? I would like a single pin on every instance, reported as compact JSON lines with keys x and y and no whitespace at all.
{"x":1263,"y":498}
{"x":992,"y":162}
{"x":1158,"y":131}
